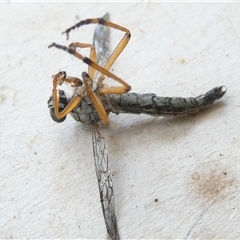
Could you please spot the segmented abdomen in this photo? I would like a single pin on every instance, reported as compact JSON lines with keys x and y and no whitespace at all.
{"x":163,"y":106}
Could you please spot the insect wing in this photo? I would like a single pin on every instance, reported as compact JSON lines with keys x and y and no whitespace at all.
{"x":105,"y":183}
{"x":101,"y":42}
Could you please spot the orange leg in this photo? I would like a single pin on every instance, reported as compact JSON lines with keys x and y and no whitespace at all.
{"x":95,"y":99}
{"x":110,"y":90}
{"x":117,"y":51}
{"x":58,"y":79}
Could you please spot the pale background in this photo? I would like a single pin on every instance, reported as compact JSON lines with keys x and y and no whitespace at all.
{"x":190,"y":165}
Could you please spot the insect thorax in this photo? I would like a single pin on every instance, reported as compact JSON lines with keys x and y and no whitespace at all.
{"x":85,"y":112}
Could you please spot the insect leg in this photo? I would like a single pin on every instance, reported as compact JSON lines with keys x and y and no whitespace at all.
{"x":111,"y":90}
{"x":95,"y":99}
{"x":58,"y":79}
{"x":117,"y":51}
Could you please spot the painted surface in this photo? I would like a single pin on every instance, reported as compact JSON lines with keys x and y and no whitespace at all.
{"x":173,"y":178}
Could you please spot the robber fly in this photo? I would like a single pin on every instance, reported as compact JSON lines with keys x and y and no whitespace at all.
{"x":92,"y":101}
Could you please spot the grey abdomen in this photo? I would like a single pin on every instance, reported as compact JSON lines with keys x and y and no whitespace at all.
{"x":163,"y":106}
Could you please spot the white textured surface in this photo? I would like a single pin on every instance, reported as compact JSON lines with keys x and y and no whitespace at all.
{"x":191,"y":165}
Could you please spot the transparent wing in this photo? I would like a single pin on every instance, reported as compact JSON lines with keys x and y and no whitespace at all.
{"x":101,"y":43}
{"x":105,"y":183}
